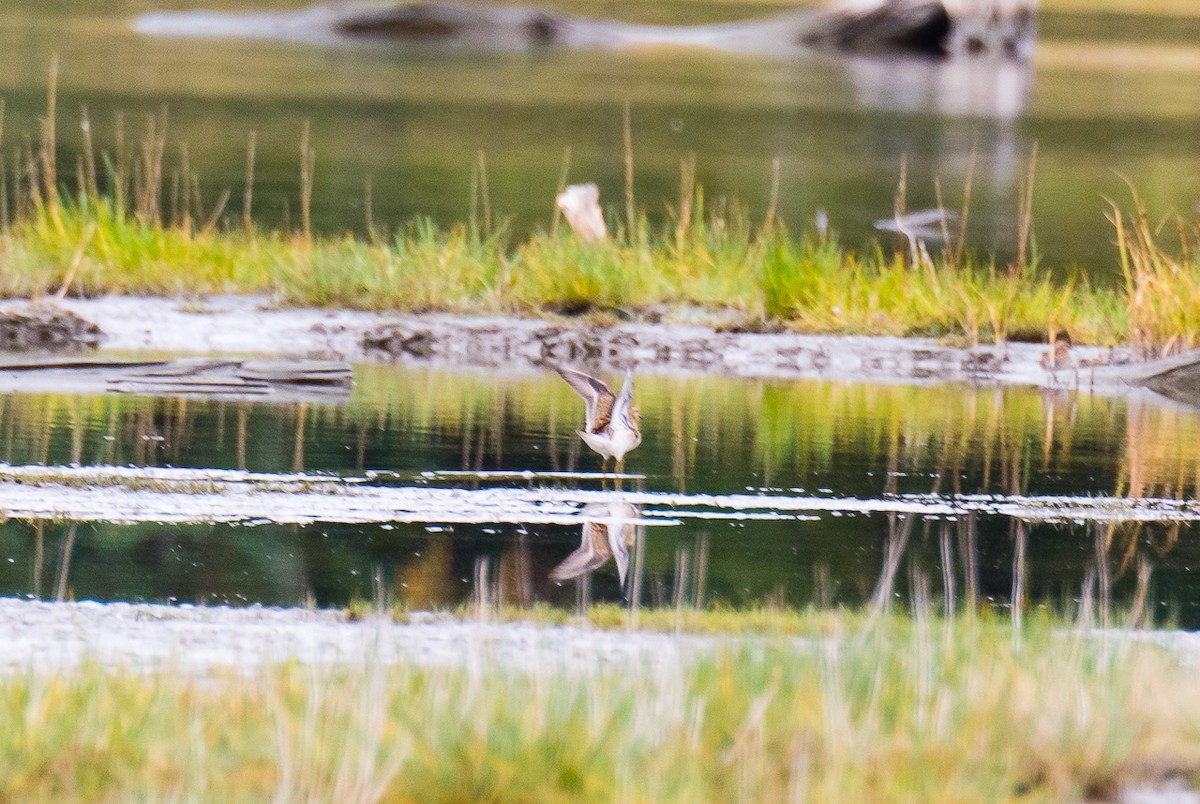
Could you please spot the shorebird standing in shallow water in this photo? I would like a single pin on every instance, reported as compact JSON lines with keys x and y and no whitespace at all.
{"x":611,"y":422}
{"x":1059,"y":356}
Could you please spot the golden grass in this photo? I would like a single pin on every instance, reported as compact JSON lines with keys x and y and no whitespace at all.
{"x":902,"y":710}
{"x":1162,"y":288}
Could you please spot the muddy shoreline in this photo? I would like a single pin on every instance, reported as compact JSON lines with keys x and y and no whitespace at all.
{"x":252,"y":326}
{"x":53,"y":637}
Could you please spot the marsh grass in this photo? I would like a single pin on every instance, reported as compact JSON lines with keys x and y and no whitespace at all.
{"x":133,"y":223}
{"x":909,"y":709}
{"x":1162,"y":286}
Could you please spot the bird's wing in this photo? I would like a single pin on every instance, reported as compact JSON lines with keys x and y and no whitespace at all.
{"x":621,"y":536}
{"x":624,"y":400}
{"x":915,"y":220}
{"x":591,"y":554}
{"x":596,"y":395}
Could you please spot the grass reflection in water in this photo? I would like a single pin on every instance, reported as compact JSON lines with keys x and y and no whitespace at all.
{"x":703,"y":436}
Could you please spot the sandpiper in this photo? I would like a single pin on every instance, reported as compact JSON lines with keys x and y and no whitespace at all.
{"x":1059,"y":356}
{"x":610,"y":421}
{"x":601,"y":541}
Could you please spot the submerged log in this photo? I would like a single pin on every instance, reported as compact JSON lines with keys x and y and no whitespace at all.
{"x":279,"y":381}
{"x":919,"y":27}
{"x":1176,"y":377}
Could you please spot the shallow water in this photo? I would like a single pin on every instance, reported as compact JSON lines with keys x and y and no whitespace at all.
{"x":822,"y":458}
{"x":1108,"y":97}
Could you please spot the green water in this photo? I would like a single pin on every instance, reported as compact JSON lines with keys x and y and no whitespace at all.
{"x":412,"y":121}
{"x":702,"y":436}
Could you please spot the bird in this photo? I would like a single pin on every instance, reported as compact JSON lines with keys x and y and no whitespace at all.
{"x":1059,"y":356}
{"x":611,"y":422}
{"x":601,"y":541}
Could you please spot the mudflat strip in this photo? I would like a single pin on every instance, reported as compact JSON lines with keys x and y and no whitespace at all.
{"x":126,"y":494}
{"x":245,"y":325}
{"x":42,"y":636}
{"x":48,"y":637}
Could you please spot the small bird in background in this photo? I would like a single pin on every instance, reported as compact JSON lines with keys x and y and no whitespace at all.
{"x":611,"y":422}
{"x":1059,"y":356}
{"x":601,"y":541}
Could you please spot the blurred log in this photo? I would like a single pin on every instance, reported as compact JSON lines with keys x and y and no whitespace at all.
{"x":918,"y":27}
{"x":282,"y":380}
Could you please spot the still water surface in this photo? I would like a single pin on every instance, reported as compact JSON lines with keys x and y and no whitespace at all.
{"x":1108,"y":96}
{"x":702,"y":436}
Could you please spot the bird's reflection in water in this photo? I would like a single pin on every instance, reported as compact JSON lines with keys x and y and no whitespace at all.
{"x":609,"y":531}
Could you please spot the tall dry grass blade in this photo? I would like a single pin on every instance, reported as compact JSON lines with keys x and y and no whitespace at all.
{"x":197,"y":198}
{"x":687,"y":194}
{"x":174,"y":191}
{"x":308,"y":159}
{"x":1185,"y":242}
{"x":627,"y":139}
{"x":120,"y":178}
{"x":473,"y":206}
{"x":92,"y":190}
{"x":148,"y":178}
{"x":485,"y":197}
{"x":964,"y":216}
{"x":187,"y":198}
{"x":33,"y":174}
{"x":948,"y":246}
{"x":214,"y":217}
{"x":5,"y":224}
{"x":4,"y":219}
{"x":49,"y":144}
{"x":248,"y":187}
{"x":1025,"y":212}
{"x":900,"y":202}
{"x":18,"y":200}
{"x":369,"y":210}
{"x":76,"y":260}
{"x":773,"y":197}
